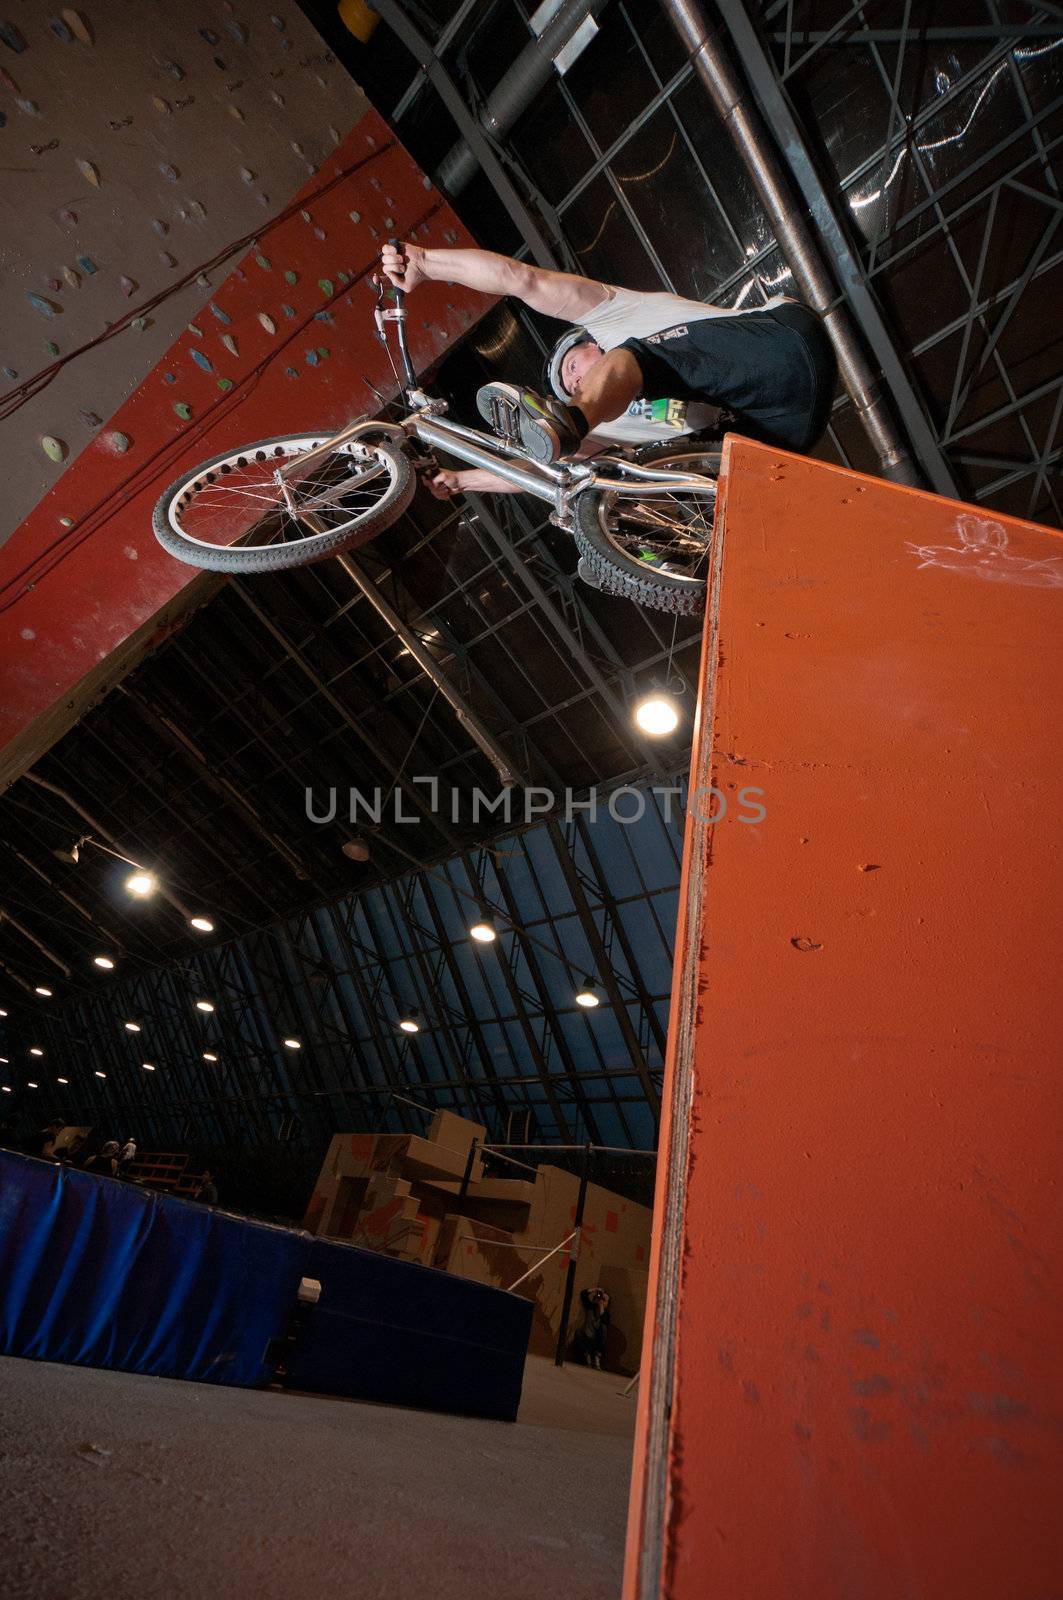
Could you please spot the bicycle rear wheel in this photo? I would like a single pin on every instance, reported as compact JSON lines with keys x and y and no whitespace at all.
{"x":655,"y":550}
{"x":238,"y":512}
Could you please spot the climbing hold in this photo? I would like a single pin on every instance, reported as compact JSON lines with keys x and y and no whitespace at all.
{"x":169,"y":377}
{"x":198,"y":209}
{"x":209,"y":35}
{"x":291,"y":277}
{"x":202,"y":281}
{"x":174,"y":70}
{"x":138,"y":324}
{"x":334,"y":134}
{"x":54,"y":284}
{"x":66,"y":522}
{"x":222,"y":316}
{"x":247,"y":175}
{"x":53,"y":448}
{"x":60,"y":29}
{"x":161,"y":228}
{"x":325,"y":285}
{"x":291,"y":372}
{"x":79,"y":26}
{"x":160,"y":104}
{"x":265,"y":263}
{"x":219,"y":62}
{"x":168,"y":171}
{"x":69,"y":217}
{"x":90,"y":419}
{"x":319,"y":233}
{"x":278,"y":99}
{"x":312,"y":358}
{"x":240,"y":273}
{"x":278,"y":22}
{"x":389,"y":222}
{"x":87,"y":265}
{"x":127,"y":285}
{"x":322,"y":316}
{"x":263,"y":199}
{"x":9,"y":372}
{"x":225,"y":383}
{"x":167,"y":259}
{"x":289,"y":311}
{"x":183,"y":411}
{"x":201,"y":360}
{"x":230,"y":344}
{"x":12,"y":37}
{"x":236,"y":113}
{"x":355,"y":216}
{"x":118,"y":441}
{"x":238,"y":31}
{"x":8,"y":81}
{"x":323,"y":351}
{"x":45,"y":307}
{"x":267,"y":322}
{"x":197,"y":331}
{"x":345,"y":278}
{"x":30,"y":107}
{"x":52,"y":348}
{"x":89,"y":172}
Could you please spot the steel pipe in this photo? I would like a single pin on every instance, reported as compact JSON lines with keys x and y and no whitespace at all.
{"x":740,"y":115}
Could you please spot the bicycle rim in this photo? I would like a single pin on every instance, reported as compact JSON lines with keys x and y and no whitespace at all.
{"x":258,"y":498}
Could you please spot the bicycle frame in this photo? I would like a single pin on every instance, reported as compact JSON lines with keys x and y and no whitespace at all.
{"x":559,"y":482}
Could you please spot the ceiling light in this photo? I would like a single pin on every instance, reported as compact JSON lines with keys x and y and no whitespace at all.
{"x":31,"y":1086}
{"x":204,"y":1005}
{"x":208,"y":1056}
{"x":201,"y":924}
{"x":142,"y":884}
{"x":356,"y":849}
{"x":3,"y":1013}
{"x":35,"y":1050}
{"x":587,"y":996}
{"x":147,"y":1066}
{"x":5,"y":1088}
{"x":409,"y":1024}
{"x":657,"y":714}
{"x":70,"y":855}
{"x":40,"y":989}
{"x":62,"y":1080}
{"x":101,"y":1074}
{"x":4,"y":1060}
{"x":132,"y":1027}
{"x":293,"y":1044}
{"x":103,"y":961}
{"x":484,"y":931}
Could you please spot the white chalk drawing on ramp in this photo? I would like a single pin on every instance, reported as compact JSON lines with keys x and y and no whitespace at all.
{"x":983,"y":553}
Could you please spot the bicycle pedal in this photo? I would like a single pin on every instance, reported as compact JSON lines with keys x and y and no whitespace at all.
{"x":505,"y":418}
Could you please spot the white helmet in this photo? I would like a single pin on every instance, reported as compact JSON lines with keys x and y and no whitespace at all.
{"x":552,"y":370}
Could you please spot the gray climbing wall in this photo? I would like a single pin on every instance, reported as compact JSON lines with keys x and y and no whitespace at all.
{"x":141,"y":142}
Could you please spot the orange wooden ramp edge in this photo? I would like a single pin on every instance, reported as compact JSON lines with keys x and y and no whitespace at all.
{"x":856,"y":1387}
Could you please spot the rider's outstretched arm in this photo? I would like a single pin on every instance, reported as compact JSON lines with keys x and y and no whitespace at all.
{"x":555,"y":294}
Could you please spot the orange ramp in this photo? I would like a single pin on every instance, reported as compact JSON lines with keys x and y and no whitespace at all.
{"x":856,"y":1387}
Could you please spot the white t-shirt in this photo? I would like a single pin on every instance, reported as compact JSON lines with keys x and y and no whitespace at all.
{"x":635,"y":314}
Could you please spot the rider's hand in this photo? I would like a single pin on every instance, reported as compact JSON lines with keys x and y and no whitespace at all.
{"x":444,"y":484}
{"x":403,"y":265}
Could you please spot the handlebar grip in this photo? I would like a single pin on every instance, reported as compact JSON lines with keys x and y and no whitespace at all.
{"x":399,"y":294}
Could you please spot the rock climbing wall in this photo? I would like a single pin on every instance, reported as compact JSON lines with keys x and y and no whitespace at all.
{"x":271,"y":330}
{"x":855,"y":1386}
{"x":137,"y":140}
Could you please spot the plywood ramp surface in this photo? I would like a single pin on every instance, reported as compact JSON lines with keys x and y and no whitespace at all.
{"x":856,"y":1387}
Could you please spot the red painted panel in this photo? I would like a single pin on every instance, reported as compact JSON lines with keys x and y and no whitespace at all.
{"x":868,"y":1395}
{"x":70,"y":596}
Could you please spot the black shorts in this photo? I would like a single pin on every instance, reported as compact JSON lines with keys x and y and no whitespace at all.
{"x":775,"y":370}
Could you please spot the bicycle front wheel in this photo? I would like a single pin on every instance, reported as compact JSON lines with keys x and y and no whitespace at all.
{"x":656,"y":549}
{"x":259,"y":508}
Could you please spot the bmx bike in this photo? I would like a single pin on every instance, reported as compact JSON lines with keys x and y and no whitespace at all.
{"x":642,"y":522}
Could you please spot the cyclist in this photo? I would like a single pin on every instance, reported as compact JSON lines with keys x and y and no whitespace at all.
{"x":771,"y":367}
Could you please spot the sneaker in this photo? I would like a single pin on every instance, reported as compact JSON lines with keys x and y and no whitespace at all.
{"x":543,"y":428}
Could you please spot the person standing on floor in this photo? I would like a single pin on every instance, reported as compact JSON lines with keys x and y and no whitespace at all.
{"x":588,"y":1344}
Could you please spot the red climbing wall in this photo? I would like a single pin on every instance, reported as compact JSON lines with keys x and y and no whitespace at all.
{"x":84,"y":588}
{"x":856,"y":1318}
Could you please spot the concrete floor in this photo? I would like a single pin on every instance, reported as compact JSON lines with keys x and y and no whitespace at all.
{"x":112,"y":1483}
